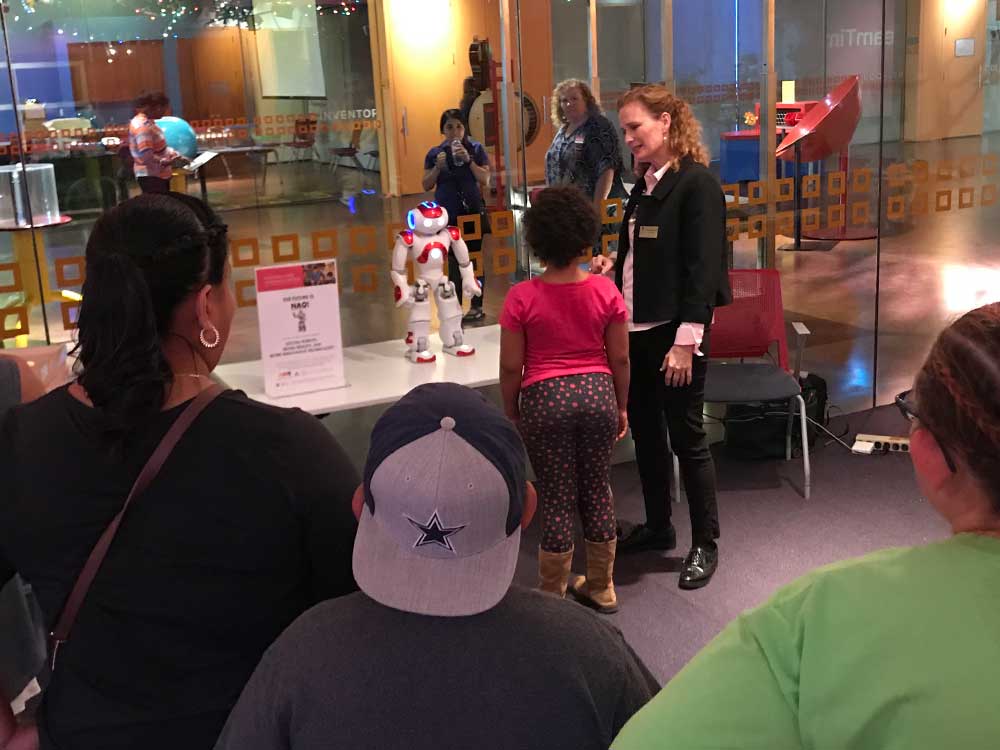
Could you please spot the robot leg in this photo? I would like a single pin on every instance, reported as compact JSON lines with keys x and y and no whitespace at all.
{"x":450,"y":312}
{"x":419,"y":329}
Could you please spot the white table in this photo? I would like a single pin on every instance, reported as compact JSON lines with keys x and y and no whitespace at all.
{"x":379,"y":373}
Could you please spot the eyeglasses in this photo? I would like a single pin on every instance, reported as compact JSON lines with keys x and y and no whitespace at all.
{"x":905,"y":405}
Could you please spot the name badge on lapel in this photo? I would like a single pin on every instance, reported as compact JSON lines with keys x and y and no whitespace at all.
{"x":578,"y":139}
{"x":649,"y":233}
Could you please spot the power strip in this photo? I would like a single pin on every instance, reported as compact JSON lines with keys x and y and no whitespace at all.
{"x":885,"y":443}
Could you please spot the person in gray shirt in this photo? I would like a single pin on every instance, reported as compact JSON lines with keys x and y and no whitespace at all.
{"x":438,"y":649}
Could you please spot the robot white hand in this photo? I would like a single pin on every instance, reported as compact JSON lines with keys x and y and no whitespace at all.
{"x":470,"y":285}
{"x":403,"y":295}
{"x":476,"y":290}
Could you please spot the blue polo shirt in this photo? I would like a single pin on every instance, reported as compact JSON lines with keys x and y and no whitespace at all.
{"x":458,"y":182}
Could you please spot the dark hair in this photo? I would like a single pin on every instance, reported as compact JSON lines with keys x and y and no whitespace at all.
{"x":956,"y":394}
{"x":453,"y":114}
{"x":151,"y":99}
{"x":560,"y":225}
{"x":144,"y":257}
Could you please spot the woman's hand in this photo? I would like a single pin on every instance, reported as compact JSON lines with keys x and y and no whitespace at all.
{"x":12,"y":735}
{"x":515,"y":417}
{"x":601,"y":264}
{"x":460,"y":154}
{"x":622,"y":423}
{"x":441,"y":161}
{"x":25,"y":738}
{"x":676,"y":367}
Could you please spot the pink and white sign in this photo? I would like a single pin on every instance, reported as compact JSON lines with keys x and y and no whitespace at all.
{"x":298,"y":308}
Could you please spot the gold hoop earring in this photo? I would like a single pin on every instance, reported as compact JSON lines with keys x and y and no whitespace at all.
{"x":204,"y":340}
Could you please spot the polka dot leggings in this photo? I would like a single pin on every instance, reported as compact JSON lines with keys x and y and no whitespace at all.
{"x":569,"y":426}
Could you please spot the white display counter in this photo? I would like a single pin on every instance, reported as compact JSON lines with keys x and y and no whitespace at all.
{"x":379,"y":374}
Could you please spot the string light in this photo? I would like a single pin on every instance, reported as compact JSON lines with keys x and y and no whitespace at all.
{"x":167,"y":17}
{"x":340,"y":7}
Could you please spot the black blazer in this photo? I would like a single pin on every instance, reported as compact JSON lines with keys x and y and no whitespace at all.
{"x":682,"y":274}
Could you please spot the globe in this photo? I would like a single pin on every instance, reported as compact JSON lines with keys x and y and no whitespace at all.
{"x":180,"y":136}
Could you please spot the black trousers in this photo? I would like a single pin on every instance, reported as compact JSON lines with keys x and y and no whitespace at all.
{"x":653,"y":406}
{"x":153,"y":184}
{"x":455,"y":276}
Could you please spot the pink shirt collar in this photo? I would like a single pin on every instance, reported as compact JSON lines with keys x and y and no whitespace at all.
{"x":653,"y":178}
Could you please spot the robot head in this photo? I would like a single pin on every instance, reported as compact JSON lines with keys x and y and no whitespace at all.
{"x":427,"y":218}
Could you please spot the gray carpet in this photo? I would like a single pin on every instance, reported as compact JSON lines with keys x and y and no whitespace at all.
{"x":770,"y":536}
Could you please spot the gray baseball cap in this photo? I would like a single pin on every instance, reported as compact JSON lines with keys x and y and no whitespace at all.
{"x":444,"y":488}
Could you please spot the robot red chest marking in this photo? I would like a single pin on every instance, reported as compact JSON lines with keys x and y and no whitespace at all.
{"x":425,"y":256}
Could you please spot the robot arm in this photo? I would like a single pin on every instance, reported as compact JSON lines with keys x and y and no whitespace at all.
{"x":461,"y":251}
{"x":397,"y":272}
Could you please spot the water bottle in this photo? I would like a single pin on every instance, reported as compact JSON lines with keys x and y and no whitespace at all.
{"x":455,"y":145}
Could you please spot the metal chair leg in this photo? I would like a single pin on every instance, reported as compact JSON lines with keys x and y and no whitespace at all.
{"x":805,"y":446}
{"x":676,"y":467}
{"x":788,"y":429}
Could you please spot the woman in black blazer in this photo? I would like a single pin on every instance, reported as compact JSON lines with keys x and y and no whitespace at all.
{"x":671,"y":267}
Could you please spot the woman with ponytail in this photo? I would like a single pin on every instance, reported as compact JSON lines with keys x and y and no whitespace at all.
{"x":248,"y":523}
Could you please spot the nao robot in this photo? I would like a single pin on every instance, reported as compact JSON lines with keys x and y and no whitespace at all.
{"x":427,"y":242}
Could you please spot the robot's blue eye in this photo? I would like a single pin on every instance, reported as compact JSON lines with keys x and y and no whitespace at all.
{"x":410,"y":221}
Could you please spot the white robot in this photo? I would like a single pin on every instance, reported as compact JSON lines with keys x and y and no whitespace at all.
{"x":427,"y":241}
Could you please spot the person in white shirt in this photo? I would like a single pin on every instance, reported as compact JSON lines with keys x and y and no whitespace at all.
{"x":672,"y":269}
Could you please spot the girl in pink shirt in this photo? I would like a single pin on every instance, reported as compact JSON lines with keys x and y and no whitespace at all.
{"x":564,"y":373}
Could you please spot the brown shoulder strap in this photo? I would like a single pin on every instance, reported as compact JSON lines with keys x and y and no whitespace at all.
{"x":79,"y":592}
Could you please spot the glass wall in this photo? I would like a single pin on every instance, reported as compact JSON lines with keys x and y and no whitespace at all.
{"x":20,"y":289}
{"x":940,"y":254}
{"x":322,"y":113}
{"x":832,"y":52}
{"x":880,"y":233}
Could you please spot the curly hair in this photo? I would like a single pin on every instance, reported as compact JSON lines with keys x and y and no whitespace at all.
{"x":685,"y":130}
{"x":151,"y":99}
{"x":561,"y":89}
{"x":561,"y":225}
{"x":956,"y":394}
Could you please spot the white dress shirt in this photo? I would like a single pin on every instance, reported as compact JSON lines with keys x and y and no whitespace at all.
{"x":688,"y":334}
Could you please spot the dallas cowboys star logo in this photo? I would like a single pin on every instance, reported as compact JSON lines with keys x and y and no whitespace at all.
{"x":435,"y":533}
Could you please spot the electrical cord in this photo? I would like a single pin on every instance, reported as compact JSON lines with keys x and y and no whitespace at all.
{"x":738,"y":420}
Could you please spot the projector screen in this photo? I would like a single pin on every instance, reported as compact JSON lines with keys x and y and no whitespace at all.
{"x":288,"y":54}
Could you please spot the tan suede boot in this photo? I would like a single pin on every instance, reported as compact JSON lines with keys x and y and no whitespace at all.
{"x":553,"y":571}
{"x":597,"y":589}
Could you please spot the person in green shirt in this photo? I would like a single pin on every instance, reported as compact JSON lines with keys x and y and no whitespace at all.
{"x":898,"y":649}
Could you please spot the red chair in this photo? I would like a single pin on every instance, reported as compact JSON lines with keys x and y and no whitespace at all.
{"x":303,"y":142}
{"x":350,"y":151}
{"x":749,"y":328}
{"x":754,"y":321}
